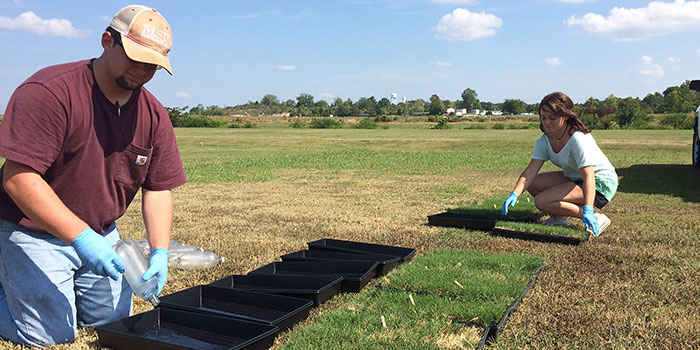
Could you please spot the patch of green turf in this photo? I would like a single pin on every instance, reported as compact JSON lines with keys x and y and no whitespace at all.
{"x":488,"y":284}
{"x":533,"y":227}
{"x":491,"y":207}
{"x":348,"y":329}
{"x":478,"y":275}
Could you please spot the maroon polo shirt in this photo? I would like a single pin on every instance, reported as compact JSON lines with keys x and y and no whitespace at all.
{"x":94,"y":154}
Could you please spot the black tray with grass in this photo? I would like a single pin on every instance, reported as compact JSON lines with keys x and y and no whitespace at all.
{"x":271,"y":309}
{"x":315,"y":288}
{"x":385,"y":262}
{"x":482,"y":215}
{"x":356,"y":274}
{"x":359,"y":247}
{"x":520,"y":223}
{"x":168,"y":329}
{"x":448,"y":298}
{"x":492,"y":331}
{"x":541,"y":233}
{"x":486,"y":286}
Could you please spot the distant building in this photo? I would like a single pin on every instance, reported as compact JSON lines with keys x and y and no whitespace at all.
{"x":450,"y":110}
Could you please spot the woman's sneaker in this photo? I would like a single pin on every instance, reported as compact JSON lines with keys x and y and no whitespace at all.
{"x":603,"y":223}
{"x":556,"y":221}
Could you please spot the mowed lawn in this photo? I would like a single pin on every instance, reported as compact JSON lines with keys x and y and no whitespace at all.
{"x":255,"y":194}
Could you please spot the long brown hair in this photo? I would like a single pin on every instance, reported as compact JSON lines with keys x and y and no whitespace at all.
{"x":562,"y":106}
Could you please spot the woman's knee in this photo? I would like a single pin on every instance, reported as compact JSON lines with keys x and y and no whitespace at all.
{"x":541,"y":201}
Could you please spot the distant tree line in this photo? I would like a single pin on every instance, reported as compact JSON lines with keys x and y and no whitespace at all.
{"x":610,"y":112}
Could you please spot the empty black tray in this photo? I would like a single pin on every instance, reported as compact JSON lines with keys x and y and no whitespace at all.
{"x":275,"y":310}
{"x":168,"y":329}
{"x":488,"y":223}
{"x":475,"y":222}
{"x":315,"y":288}
{"x":358,"y":247}
{"x":539,"y":237}
{"x":386,"y":262}
{"x":356,"y":274}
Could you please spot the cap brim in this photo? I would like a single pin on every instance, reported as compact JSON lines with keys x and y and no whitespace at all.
{"x":140,"y":53}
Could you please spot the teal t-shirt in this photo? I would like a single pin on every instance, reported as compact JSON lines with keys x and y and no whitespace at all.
{"x":580,"y":151}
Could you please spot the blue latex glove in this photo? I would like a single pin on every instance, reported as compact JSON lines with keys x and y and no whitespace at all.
{"x":158,"y":266}
{"x":590,"y":220}
{"x":95,"y":251}
{"x":510,"y":202}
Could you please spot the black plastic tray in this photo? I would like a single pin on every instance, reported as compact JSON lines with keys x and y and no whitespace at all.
{"x":315,"y":288}
{"x":167,"y":329}
{"x":275,"y":310}
{"x":488,"y":223}
{"x":539,"y":237}
{"x":386,"y":262}
{"x":356,"y":274}
{"x":358,"y":247}
{"x":492,"y":331}
{"x":458,"y":220}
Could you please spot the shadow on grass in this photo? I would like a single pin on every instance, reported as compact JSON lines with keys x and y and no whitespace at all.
{"x":670,"y":179}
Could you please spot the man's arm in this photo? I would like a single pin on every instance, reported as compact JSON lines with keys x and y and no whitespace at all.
{"x":39,"y":202}
{"x":157,"y":210}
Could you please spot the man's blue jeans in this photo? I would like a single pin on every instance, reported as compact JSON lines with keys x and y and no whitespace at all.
{"x":45,"y":292}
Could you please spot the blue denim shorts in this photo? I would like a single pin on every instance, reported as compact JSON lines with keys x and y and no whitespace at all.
{"x":600,"y":201}
{"x":45,"y":292}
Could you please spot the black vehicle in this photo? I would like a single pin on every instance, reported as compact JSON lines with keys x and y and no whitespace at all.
{"x":695,"y":85}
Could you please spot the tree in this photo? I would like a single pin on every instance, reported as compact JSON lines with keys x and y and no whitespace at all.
{"x":305,"y":100}
{"x":469,"y":100}
{"x":591,"y":103}
{"x":436,"y":106}
{"x":629,"y":111}
{"x":654,"y":101}
{"x":270,"y":100}
{"x":514,"y":106}
{"x":609,"y":102}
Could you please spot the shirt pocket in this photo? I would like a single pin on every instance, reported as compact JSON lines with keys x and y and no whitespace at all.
{"x":133,"y":165}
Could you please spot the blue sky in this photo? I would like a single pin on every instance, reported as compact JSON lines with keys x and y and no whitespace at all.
{"x":230,"y":52}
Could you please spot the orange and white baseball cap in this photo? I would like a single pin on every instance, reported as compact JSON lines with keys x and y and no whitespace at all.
{"x":146,"y":35}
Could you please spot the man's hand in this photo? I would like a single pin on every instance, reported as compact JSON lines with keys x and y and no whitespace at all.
{"x":96,"y":252}
{"x":158,"y":266}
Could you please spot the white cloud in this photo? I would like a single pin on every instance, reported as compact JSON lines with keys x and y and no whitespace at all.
{"x":182,"y":94}
{"x":249,"y":16}
{"x":463,"y":25}
{"x":576,"y":1}
{"x":552,"y":61}
{"x":647,"y":67}
{"x":441,"y":64}
{"x":326,"y":95}
{"x":673,"y":60}
{"x":283,"y":67}
{"x":30,"y":22}
{"x":635,"y":24}
{"x":456,"y":2}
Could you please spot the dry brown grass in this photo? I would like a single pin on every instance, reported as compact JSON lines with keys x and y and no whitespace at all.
{"x":634,"y":287}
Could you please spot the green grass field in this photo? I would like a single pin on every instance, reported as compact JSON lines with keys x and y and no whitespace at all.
{"x":254,"y":194}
